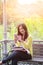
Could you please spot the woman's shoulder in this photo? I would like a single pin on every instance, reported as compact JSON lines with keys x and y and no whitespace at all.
{"x":29,"y":36}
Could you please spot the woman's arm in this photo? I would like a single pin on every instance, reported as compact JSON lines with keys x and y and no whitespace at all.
{"x":15,"y":38}
{"x":28,"y":44}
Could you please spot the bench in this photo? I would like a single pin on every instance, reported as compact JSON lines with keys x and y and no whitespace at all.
{"x":37,"y":58}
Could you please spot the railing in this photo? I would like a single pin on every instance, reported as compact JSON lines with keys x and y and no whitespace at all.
{"x":10,"y":44}
{"x":38,"y":42}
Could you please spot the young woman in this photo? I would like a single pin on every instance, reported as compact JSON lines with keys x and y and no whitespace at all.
{"x":23,"y":49}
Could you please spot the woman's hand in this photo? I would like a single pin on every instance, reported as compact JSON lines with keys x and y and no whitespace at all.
{"x":18,"y":38}
{"x":15,"y":38}
{"x":0,"y":62}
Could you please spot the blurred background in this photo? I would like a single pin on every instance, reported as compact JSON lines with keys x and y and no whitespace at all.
{"x":28,"y":11}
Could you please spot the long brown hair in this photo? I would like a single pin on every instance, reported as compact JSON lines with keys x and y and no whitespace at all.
{"x":26,"y":32}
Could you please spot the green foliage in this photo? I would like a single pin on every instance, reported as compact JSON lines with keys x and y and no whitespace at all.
{"x":35,"y":27}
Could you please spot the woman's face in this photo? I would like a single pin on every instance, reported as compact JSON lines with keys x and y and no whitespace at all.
{"x":21,"y":30}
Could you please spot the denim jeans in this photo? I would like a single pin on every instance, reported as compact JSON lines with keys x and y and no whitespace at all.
{"x":16,"y":56}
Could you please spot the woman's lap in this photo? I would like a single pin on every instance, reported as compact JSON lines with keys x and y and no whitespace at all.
{"x":20,"y":55}
{"x":17,"y":55}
